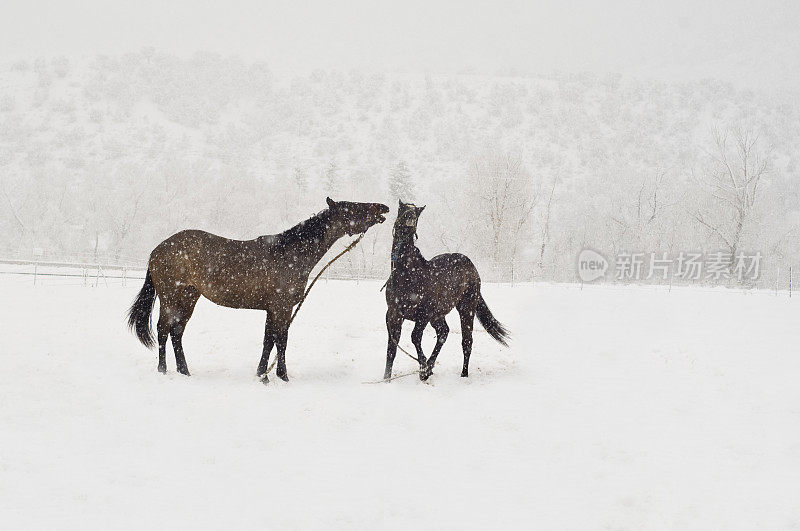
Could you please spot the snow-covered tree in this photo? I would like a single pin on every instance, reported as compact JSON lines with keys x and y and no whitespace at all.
{"x":400,"y":184}
{"x":331,"y":182}
{"x":301,"y":179}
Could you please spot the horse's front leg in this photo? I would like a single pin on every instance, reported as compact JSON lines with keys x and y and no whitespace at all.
{"x":269,"y":342}
{"x":281,"y":337}
{"x":416,"y":339}
{"x":394,"y":326}
{"x":440,"y":325}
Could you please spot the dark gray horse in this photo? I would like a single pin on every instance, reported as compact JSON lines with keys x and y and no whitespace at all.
{"x":268,"y":273}
{"x":424,"y":291}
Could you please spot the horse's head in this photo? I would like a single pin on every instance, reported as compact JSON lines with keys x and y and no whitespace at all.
{"x":357,"y":217}
{"x":407,"y":217}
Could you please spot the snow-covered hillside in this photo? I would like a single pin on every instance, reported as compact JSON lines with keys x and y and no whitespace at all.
{"x":109,"y":155}
{"x":613,"y":408}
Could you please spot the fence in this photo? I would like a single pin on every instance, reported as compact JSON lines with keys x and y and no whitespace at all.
{"x":89,"y":273}
{"x":106,"y":273}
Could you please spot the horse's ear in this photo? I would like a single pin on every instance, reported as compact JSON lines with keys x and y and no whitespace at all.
{"x":331,"y":202}
{"x":401,"y":203}
{"x":420,"y":209}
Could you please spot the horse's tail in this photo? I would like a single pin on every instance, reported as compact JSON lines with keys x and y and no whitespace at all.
{"x":492,"y":325}
{"x":139,"y":314}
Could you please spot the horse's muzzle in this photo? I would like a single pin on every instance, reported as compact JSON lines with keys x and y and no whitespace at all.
{"x":382,"y":209}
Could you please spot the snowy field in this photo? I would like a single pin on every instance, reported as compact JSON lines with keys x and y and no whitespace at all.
{"x":613,"y":408}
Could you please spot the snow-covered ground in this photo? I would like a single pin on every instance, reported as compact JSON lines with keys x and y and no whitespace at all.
{"x":613,"y":408}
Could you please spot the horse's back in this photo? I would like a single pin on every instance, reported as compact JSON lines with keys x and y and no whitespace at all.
{"x":452,"y":263}
{"x":193,"y":241}
{"x":191,"y":238}
{"x":199,"y":258}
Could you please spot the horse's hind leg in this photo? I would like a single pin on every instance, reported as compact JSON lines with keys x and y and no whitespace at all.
{"x":176,"y":333}
{"x":466,"y":310}
{"x":440,"y":325}
{"x":162,"y":330}
{"x":188,"y":298}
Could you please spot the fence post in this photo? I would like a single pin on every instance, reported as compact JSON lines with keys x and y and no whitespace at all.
{"x":790,"y":282}
{"x":35,"y":271}
{"x":124,"y":275}
{"x":777,"y":279}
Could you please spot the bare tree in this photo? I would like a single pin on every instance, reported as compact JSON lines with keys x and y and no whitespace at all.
{"x":507,"y":195}
{"x":639,"y":216}
{"x":546,"y":224}
{"x":14,"y":214}
{"x":731,"y":185}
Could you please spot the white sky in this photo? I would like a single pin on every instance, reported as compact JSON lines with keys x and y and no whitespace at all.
{"x":413,"y":35}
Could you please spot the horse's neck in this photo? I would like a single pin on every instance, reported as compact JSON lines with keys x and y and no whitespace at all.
{"x":321,"y":246}
{"x":404,"y":253}
{"x":312,"y":246}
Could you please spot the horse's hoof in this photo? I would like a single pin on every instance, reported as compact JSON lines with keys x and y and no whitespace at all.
{"x":162,"y":370}
{"x":264,"y":379}
{"x":283,"y":376}
{"x":425,"y":372}
{"x":464,"y":375}
{"x":184,"y":371}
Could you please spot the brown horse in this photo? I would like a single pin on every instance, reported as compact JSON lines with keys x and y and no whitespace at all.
{"x":268,"y":273}
{"x":425,"y":291}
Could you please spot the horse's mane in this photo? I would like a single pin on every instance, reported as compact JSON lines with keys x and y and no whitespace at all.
{"x":313,"y":227}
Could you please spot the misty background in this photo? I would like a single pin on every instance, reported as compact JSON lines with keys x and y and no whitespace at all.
{"x":530,"y":130}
